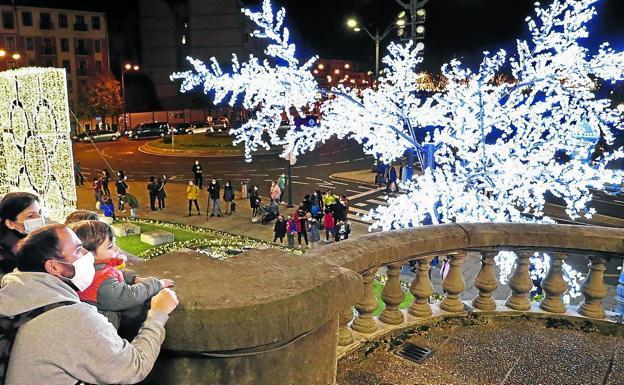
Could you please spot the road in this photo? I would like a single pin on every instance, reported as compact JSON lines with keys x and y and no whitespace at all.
{"x":312,"y":171}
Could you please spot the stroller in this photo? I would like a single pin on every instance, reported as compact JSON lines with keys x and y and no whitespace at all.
{"x":268,"y":212}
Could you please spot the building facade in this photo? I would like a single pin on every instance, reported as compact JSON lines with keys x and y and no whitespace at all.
{"x":173,"y":30}
{"x":46,"y":37}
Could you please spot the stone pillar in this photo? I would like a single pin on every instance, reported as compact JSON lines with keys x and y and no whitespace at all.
{"x":594,"y":289}
{"x":454,"y":285}
{"x":392,"y":295}
{"x":520,"y":283}
{"x":554,"y":285}
{"x":486,"y":283}
{"x":364,"y":322}
{"x":421,"y":288}
{"x":345,"y":335}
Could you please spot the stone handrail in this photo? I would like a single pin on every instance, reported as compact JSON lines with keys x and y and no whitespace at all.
{"x":368,"y":253}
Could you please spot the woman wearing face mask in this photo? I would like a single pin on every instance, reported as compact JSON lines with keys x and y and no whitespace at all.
{"x":20,"y":213}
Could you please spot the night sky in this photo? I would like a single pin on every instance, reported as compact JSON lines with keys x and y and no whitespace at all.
{"x":454,"y":28}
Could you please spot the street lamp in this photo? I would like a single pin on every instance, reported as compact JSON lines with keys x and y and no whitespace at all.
{"x":126,"y":68}
{"x":377,"y":37}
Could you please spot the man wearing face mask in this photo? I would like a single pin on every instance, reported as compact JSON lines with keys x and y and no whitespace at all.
{"x":71,"y":342}
{"x":20,"y":213}
{"x":198,"y":174}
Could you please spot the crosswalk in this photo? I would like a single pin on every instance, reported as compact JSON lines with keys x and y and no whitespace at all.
{"x":361,"y":203}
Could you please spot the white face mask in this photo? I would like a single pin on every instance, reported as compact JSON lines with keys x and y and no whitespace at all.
{"x":31,"y":225}
{"x":84,"y":271}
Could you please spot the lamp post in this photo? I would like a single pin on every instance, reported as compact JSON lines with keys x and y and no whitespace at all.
{"x":377,"y":37}
{"x":126,"y":68}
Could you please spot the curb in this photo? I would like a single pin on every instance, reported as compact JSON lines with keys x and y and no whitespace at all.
{"x":147,"y":149}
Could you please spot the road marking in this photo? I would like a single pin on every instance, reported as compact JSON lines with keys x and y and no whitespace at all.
{"x":359,"y":159}
{"x":369,"y":187}
{"x":295,"y":182}
{"x":300,"y":166}
{"x":340,"y":183}
{"x":323,"y":164}
{"x":342,"y":161}
{"x":234,"y":174}
{"x":358,"y":211}
{"x":309,"y":177}
{"x":365,"y":193}
{"x":375,"y":201}
{"x":354,"y":191}
{"x":360,"y":204}
{"x":259,"y":174}
{"x":249,"y":170}
{"x":275,"y":169}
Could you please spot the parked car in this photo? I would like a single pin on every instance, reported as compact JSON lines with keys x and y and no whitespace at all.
{"x":199,"y":128}
{"x":221,"y":123}
{"x":149,"y":130}
{"x":97,"y":136}
{"x":180,"y":128}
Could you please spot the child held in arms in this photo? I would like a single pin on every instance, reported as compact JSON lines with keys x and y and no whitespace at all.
{"x":120,"y":295}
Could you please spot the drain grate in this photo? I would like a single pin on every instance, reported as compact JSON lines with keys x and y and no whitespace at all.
{"x":414,"y":352}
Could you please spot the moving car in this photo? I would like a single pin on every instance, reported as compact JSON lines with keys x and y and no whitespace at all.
{"x":97,"y":136}
{"x":149,"y":130}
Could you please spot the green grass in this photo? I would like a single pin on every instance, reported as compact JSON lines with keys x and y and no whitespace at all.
{"x":378,"y":287}
{"x":133,"y":244}
{"x":197,"y":142}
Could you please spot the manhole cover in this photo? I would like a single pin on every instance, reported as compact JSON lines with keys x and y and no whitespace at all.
{"x":414,"y":352}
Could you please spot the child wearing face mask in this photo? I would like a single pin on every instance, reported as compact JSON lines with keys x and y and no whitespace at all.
{"x":120,"y":295}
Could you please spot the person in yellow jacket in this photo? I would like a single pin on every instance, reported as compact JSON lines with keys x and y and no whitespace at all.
{"x":192,"y":194}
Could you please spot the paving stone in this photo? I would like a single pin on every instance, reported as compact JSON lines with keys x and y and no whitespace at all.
{"x":125,"y":229}
{"x":157,"y":237}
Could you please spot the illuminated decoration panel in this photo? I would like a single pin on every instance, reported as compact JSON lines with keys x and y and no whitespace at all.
{"x":35,"y":145}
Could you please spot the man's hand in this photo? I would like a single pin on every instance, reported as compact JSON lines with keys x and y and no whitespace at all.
{"x":167,"y":283}
{"x":165,"y":301}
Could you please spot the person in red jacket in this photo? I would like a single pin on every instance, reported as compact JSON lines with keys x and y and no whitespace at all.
{"x":120,"y":295}
{"x":330,"y":225}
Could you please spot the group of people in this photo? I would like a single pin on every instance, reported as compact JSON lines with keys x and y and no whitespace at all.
{"x":66,"y":282}
{"x":386,"y":175}
{"x":317,"y":212}
{"x":214,"y":198}
{"x":104,"y":200}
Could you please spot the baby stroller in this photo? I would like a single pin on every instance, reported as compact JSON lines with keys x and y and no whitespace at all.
{"x":268,"y":212}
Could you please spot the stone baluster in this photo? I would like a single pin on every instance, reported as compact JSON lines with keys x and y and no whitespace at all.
{"x":421,"y":288}
{"x":594,"y":289}
{"x":364,"y":322}
{"x":454,"y":285}
{"x":520,"y":283}
{"x":392,"y":295}
{"x":345,"y":335}
{"x":486,"y":283}
{"x":554,"y":285}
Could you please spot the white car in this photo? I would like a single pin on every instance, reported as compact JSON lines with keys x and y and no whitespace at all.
{"x":199,"y":128}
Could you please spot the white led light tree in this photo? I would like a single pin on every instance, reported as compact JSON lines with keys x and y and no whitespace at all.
{"x":496,"y":141}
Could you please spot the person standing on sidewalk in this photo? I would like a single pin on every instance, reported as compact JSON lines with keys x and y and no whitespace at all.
{"x":214,"y":189}
{"x":291,"y":229}
{"x":153,"y":191}
{"x":254,"y":198}
{"x":301,"y":224}
{"x":78,"y":172}
{"x":97,"y":189}
{"x":161,"y":195}
{"x":133,"y":203}
{"x":275,"y":193}
{"x":122,"y":190}
{"x":281,"y":183}
{"x":192,"y":193}
{"x":279,"y":229}
{"x":197,"y":173}
{"x":105,"y":179}
{"x":228,"y":197}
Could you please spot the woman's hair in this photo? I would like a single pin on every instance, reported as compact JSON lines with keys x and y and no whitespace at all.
{"x":92,"y":233}
{"x":82,"y":215}
{"x":12,"y":204}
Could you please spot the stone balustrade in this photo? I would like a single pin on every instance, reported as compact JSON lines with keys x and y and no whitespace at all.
{"x":457,"y":242}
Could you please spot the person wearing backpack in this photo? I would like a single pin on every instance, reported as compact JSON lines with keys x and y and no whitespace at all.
{"x":58,"y":339}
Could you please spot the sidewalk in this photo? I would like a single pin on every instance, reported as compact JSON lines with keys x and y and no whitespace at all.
{"x":177,"y":210}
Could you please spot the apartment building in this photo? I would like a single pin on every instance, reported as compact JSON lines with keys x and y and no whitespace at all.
{"x":47,"y":37}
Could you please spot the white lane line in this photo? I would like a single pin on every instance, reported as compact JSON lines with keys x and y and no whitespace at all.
{"x":369,"y":192}
{"x":295,"y":176}
{"x":377,"y":202}
{"x":234,"y":174}
{"x":358,"y":211}
{"x":323,"y":164}
{"x":368,"y":187}
{"x":340,"y":183}
{"x":309,"y":177}
{"x":248,"y":170}
{"x":300,"y":166}
{"x":354,"y":191}
{"x":275,"y":169}
{"x":360,"y":204}
{"x":342,"y":161}
{"x":295,"y":182}
{"x":259,"y":174}
{"x":359,"y":159}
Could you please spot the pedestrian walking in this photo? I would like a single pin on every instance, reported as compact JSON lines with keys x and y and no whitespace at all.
{"x":152,"y":189}
{"x":291,"y":229}
{"x":161,"y":194}
{"x":97,"y":189}
{"x":214,"y":191}
{"x":254,"y":198}
{"x":79,"y":177}
{"x":275,"y":192}
{"x":133,"y":203}
{"x":198,"y":174}
{"x":122,"y":190}
{"x":329,"y":224}
{"x":105,"y":180}
{"x":300,"y":224}
{"x":279,"y":229}
{"x":313,"y":229}
{"x":281,"y":183}
{"x":192,"y":193}
{"x":228,"y":197}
